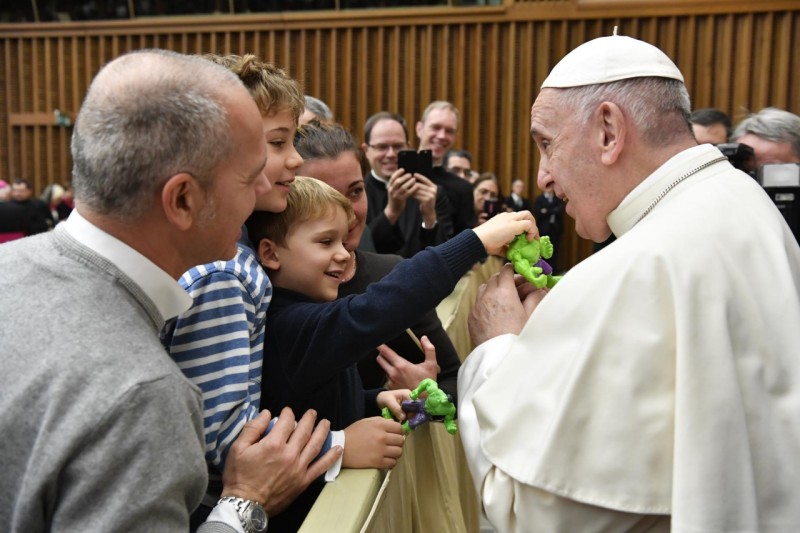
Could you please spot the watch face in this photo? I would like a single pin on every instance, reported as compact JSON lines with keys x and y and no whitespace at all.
{"x":258,"y":518}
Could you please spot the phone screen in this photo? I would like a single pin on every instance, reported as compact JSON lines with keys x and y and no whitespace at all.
{"x":415,"y":162}
{"x":491,"y":207}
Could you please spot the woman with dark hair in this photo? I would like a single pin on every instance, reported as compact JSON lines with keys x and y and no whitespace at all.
{"x":331,"y":154}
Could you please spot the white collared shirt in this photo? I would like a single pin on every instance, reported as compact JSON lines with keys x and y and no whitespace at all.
{"x":170,"y":299}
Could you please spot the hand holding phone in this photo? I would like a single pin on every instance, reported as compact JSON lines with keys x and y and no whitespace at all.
{"x":415,"y":162}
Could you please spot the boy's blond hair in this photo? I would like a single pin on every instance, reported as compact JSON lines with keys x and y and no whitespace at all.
{"x":270,"y":86}
{"x":309,"y":199}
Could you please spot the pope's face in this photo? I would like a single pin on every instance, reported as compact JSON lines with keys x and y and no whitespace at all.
{"x":567,"y":165}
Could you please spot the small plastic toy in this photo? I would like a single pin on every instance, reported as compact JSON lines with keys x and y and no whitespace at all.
{"x":528,"y":258}
{"x":437,"y":406}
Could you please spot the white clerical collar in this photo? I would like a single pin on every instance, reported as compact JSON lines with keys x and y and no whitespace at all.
{"x":382,"y":180}
{"x":170,"y":299}
{"x":629,"y":211}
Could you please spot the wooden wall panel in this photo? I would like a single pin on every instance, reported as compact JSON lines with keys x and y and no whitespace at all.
{"x":489,"y":62}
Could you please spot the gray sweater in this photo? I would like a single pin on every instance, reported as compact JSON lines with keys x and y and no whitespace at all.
{"x":100,"y":430}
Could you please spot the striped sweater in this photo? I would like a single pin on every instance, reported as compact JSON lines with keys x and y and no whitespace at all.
{"x":218,"y":344}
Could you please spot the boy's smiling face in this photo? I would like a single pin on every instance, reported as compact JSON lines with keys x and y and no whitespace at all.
{"x":282,"y":159}
{"x":313,"y":259}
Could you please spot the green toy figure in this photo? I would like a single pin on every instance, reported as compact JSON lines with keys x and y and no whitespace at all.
{"x":528,"y":258}
{"x":437,"y":406}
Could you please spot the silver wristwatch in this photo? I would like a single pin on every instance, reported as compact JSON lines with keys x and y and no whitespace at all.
{"x":251,"y":514}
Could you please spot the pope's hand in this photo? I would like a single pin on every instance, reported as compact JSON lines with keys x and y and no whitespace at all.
{"x":501,"y":307}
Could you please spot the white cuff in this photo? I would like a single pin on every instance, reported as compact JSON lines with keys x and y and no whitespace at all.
{"x":226,"y":513}
{"x":337,"y":439}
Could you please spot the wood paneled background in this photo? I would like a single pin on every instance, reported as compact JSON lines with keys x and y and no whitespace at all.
{"x":736,"y":55}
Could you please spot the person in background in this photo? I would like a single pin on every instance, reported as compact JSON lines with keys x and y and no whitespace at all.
{"x":656,"y":387}
{"x":14,"y":218}
{"x":331,"y":154}
{"x":459,"y":162}
{"x":549,"y":212}
{"x":66,"y":205}
{"x":436,"y":131}
{"x":773,"y":134}
{"x":168,"y":156}
{"x":710,"y":125}
{"x":486,"y":197}
{"x":38,"y":214}
{"x":58,"y":200}
{"x":406,"y":212}
{"x":516,"y":200}
{"x":315,"y":109}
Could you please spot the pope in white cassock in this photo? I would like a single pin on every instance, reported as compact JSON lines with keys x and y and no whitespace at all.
{"x":657,"y":386}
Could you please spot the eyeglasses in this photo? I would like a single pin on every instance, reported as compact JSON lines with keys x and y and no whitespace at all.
{"x":385,"y":147}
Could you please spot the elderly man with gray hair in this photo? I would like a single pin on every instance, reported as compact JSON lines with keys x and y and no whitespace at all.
{"x":656,"y":387}
{"x":317,"y":110}
{"x":102,"y":431}
{"x":773,"y":134}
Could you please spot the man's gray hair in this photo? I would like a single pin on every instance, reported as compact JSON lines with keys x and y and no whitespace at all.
{"x":319,"y":108}
{"x":772,"y":124}
{"x":147,"y":116}
{"x":658,"y":107}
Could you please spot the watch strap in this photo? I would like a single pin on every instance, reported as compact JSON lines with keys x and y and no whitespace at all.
{"x":241,"y":506}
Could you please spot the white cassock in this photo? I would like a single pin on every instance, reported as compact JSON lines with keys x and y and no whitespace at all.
{"x":657,"y":386}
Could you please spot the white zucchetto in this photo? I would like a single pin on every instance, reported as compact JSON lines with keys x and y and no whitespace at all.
{"x":608,"y":59}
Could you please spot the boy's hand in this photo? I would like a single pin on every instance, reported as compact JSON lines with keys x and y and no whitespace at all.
{"x":372,"y":443}
{"x":498,"y":231}
{"x":403,"y":374}
{"x":275,"y":469}
{"x":391,"y":399}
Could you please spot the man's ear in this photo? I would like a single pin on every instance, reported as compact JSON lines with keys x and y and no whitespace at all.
{"x":364,"y":147}
{"x":418,"y":129}
{"x":612,"y":131}
{"x":180,"y":200}
{"x":268,"y":254}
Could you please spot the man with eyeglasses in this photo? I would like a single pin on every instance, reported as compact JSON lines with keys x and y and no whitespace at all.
{"x":436,"y":131}
{"x":406,"y":212}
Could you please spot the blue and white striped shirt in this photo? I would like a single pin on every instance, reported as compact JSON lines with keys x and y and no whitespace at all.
{"x":218,"y":344}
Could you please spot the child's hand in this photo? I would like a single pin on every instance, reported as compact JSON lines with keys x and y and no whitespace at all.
{"x":498,"y":231}
{"x":372,"y":443}
{"x":391,"y":399}
{"x":403,"y":374}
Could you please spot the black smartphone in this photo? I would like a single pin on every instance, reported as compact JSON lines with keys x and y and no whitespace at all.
{"x":415,"y":162}
{"x":491,"y":207}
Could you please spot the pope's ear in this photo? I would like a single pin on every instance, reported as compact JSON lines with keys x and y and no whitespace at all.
{"x":268,"y":254}
{"x":613,"y":131}
{"x":181,"y":200}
